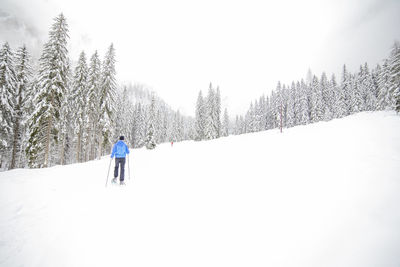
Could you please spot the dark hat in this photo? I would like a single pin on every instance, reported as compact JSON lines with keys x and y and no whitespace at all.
{"x":121,"y":137}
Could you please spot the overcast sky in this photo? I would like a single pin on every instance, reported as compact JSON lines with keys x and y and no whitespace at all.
{"x":177,"y":47}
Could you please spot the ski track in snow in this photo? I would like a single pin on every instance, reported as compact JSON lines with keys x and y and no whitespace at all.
{"x":324,"y":194}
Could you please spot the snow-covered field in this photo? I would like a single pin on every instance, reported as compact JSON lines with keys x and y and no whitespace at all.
{"x":325,"y":194}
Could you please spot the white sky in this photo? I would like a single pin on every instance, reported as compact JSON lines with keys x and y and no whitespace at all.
{"x":177,"y":47}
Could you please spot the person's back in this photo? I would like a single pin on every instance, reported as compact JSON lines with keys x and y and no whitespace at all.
{"x":120,"y":149}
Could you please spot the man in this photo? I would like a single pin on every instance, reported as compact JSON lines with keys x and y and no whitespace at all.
{"x":120,"y":150}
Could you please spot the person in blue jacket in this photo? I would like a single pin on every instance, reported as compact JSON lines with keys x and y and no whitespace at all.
{"x":120,"y":149}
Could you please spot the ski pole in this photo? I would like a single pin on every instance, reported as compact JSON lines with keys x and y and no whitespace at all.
{"x":129,"y":171}
{"x":108,"y":171}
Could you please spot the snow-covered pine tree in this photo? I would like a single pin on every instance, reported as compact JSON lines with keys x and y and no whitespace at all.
{"x":66,"y":134}
{"x":304,"y":117}
{"x":358,"y":100}
{"x":316,"y":101}
{"x":291,"y":106}
{"x":217,"y":113}
{"x":107,"y":101}
{"x":339,"y":107}
{"x":93,"y":107}
{"x":79,"y":97}
{"x":296,"y":108}
{"x":256,"y":116}
{"x":120,"y":106}
{"x":225,"y":123}
{"x":395,"y":76}
{"x":369,"y":89}
{"x":200,"y":117}
{"x":263,"y":113}
{"x":23,"y":72}
{"x":346,"y":89}
{"x":278,"y":107}
{"x":209,"y":111}
{"x":52,"y":83}
{"x":8,"y":103}
{"x":384,"y":97}
{"x":333,"y":89}
{"x":326,"y":95}
{"x":375,"y":84}
{"x":150,"y":138}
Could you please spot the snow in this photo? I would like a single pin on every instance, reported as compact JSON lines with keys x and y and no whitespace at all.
{"x":325,"y":194}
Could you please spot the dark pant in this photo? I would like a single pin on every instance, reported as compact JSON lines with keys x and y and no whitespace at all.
{"x":119,"y":161}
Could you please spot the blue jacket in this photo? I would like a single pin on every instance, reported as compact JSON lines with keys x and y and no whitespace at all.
{"x":120,"y":149}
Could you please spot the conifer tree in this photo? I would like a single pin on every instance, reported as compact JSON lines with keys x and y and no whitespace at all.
{"x":304,"y":117}
{"x":291,"y":106}
{"x":79,"y":97}
{"x":107,"y":100}
{"x":8,"y":91}
{"x":200,"y":117}
{"x":346,"y":89}
{"x":395,"y":76}
{"x":209,"y":110}
{"x":225,"y":123}
{"x":217,"y":113}
{"x":150,"y":139}
{"x":51,"y":86}
{"x":22,"y":98}
{"x":93,"y":107}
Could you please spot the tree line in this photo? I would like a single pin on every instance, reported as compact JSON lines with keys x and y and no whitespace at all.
{"x":60,"y":114}
{"x":323,"y":99}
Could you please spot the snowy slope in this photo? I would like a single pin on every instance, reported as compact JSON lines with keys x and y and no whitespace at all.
{"x":325,"y":194}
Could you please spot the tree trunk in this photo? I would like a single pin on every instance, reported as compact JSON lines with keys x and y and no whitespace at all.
{"x":15,"y":142}
{"x":47,"y":140}
{"x":78,"y":146}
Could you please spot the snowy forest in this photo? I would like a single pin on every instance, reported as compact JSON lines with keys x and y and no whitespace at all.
{"x":323,"y":99}
{"x":62,"y":112}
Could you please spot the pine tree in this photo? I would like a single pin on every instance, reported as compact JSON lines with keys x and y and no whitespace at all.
{"x":209,"y":110}
{"x":316,"y":101}
{"x":291,"y":106}
{"x":8,"y":101}
{"x":339,"y":107}
{"x":369,"y":89}
{"x":304,"y":117}
{"x":384,"y":96}
{"x":93,"y":107}
{"x":326,"y":95}
{"x":217,"y":114}
{"x":358,"y":97}
{"x":80,"y":94}
{"x":52,"y":84}
{"x":225,"y":123}
{"x":66,"y":128}
{"x":346,"y":89}
{"x":150,"y":139}
{"x":395,"y":76}
{"x":107,"y":99}
{"x":200,"y":117}
{"x":23,"y":74}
